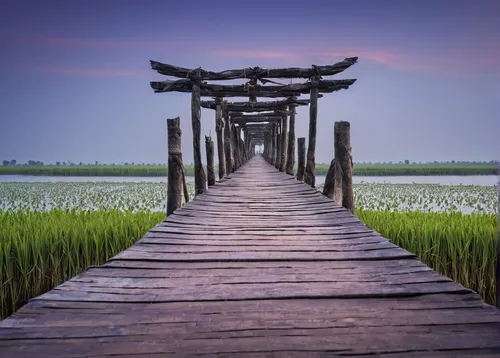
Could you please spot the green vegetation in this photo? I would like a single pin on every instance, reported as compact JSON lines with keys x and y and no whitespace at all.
{"x":150,"y":171}
{"x":50,"y":232}
{"x":39,"y":250}
{"x":459,"y":246}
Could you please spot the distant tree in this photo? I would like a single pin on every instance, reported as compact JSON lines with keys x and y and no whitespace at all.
{"x":452,"y":162}
{"x":13,"y":162}
{"x":64,"y":163}
{"x":58,"y":163}
{"x":407,"y":162}
{"x":5,"y":163}
{"x":96,"y":163}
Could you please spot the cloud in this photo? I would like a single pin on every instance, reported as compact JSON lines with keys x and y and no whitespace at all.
{"x":444,"y":61}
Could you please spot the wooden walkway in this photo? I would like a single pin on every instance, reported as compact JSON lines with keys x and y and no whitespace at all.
{"x":260,"y":265}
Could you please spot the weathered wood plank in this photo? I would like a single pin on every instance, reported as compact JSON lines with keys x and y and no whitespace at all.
{"x":252,"y":72}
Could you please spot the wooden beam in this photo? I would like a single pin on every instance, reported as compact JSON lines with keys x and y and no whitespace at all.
{"x":214,"y":90}
{"x":243,"y":120}
{"x":258,"y":106}
{"x":253,"y":73}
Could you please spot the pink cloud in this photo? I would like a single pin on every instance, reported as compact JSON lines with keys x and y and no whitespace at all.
{"x":443,"y":61}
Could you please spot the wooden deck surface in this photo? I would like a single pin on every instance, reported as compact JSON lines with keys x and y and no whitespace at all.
{"x":260,"y":265}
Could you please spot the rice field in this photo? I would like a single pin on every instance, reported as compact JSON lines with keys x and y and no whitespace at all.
{"x":50,"y":232}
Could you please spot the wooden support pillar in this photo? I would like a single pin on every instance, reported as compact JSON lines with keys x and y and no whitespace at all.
{"x":342,"y":136}
{"x":311,"y":149}
{"x":200,"y":184}
{"x":219,"y":127}
{"x":274,"y":131}
{"x":301,"y":166}
{"x":278,"y":150}
{"x":284,"y":143}
{"x":175,"y":168}
{"x":236,"y":147}
{"x":290,"y":160}
{"x":209,"y":146}
{"x":228,"y":150}
{"x":333,"y":182}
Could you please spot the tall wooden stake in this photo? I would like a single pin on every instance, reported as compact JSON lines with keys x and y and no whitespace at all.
{"x":284,"y":143}
{"x":219,"y":126}
{"x":313,"y":116}
{"x":274,"y":134}
{"x":278,"y":150}
{"x":200,"y":184}
{"x":228,"y":150}
{"x":209,"y":146}
{"x":175,"y":168}
{"x":290,"y":160}
{"x":301,"y":166}
{"x":236,"y":147}
{"x":342,"y":134}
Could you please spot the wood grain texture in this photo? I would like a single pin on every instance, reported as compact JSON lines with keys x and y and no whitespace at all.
{"x":175,"y":165}
{"x":260,"y":264}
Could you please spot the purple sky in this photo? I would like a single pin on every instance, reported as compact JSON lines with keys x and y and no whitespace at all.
{"x":75,"y":74}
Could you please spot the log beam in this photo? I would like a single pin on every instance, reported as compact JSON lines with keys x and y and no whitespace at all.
{"x":342,"y":133}
{"x":311,"y":149}
{"x":253,"y":72}
{"x":258,"y":106}
{"x":284,"y":143}
{"x":213,"y":90}
{"x":209,"y":146}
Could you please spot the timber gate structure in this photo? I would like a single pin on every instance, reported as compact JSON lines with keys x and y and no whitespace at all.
{"x":259,"y":263}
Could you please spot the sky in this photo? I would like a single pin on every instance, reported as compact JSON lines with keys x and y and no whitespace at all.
{"x":75,"y":74}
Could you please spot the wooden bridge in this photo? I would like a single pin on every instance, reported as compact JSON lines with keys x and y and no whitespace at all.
{"x":258,"y":265}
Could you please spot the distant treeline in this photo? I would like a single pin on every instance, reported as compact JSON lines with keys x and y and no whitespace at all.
{"x":152,"y":171}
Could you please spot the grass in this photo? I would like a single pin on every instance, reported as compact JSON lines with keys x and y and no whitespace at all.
{"x":40,"y":250}
{"x":459,"y":246}
{"x":151,"y":171}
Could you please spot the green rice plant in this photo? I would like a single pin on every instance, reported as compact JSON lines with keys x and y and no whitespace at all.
{"x":40,"y":250}
{"x":459,"y":246}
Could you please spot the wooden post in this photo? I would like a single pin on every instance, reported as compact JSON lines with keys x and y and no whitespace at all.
{"x":236,"y":147}
{"x":200,"y":184}
{"x":209,"y":146}
{"x":301,"y":147}
{"x":311,"y":149}
{"x":284,"y":143}
{"x":342,"y":134}
{"x":333,"y":182}
{"x":278,"y":150}
{"x":219,"y":126}
{"x":228,"y":150}
{"x":274,"y":130}
{"x":290,"y":163}
{"x":175,"y":168}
